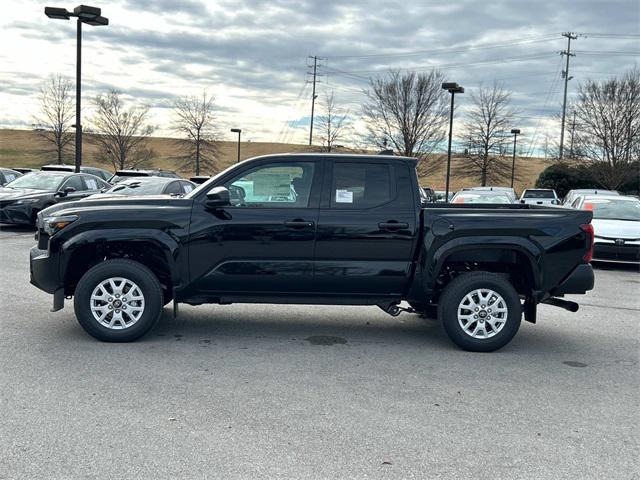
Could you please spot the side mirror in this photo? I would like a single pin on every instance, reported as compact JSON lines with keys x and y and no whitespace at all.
{"x":65,"y":192}
{"x":218,"y":197}
{"x":555,"y":202}
{"x":521,"y":201}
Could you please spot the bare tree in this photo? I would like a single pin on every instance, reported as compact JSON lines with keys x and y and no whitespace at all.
{"x":194,"y":121}
{"x":331,"y":124}
{"x":121,"y":133}
{"x":56,"y":115}
{"x":407,"y":112}
{"x":487,"y":126}
{"x":608,"y":126}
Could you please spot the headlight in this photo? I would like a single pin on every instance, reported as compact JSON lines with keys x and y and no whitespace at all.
{"x":53,"y":225}
{"x":26,"y":201}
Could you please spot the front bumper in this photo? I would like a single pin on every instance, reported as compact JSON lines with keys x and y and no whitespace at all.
{"x":16,"y":214}
{"x":579,"y":281}
{"x":44,"y":271}
{"x":609,"y":251}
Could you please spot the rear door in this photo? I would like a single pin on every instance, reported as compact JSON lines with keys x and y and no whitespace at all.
{"x":366,"y":228}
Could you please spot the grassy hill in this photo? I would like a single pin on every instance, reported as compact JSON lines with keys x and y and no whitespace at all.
{"x":24,"y":148}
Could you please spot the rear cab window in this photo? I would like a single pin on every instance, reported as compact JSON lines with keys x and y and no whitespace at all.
{"x":545,"y":194}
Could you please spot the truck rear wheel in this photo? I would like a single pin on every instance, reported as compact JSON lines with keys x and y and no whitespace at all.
{"x":480,"y":311}
{"x":118,"y":301}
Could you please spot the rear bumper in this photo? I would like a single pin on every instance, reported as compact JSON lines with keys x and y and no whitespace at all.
{"x":579,"y":281}
{"x":44,"y":270}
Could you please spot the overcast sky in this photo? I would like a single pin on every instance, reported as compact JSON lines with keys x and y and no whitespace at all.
{"x":252,"y":55}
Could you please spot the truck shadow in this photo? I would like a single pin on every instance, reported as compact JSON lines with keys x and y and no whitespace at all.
{"x":231,"y":326}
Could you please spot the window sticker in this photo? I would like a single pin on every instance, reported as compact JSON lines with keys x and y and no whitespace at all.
{"x":344,"y":196}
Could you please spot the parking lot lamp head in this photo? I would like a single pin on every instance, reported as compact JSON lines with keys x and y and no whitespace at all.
{"x":57,"y":13}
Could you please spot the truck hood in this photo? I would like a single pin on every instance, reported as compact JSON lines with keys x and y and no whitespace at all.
{"x":116,"y":206}
{"x":627,"y":229}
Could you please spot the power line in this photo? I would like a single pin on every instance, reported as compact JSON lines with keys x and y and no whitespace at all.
{"x":354,"y":73}
{"x":536,"y":39}
{"x":552,"y":88}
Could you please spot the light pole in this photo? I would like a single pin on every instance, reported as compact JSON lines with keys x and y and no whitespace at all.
{"x":452,"y":88}
{"x":90,"y":16}
{"x":239,"y":132}
{"x":515,"y":132}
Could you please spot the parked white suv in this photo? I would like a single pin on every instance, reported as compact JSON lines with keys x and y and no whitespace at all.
{"x":539,"y":196}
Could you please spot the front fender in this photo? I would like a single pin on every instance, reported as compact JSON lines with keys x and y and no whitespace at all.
{"x":99,"y":241}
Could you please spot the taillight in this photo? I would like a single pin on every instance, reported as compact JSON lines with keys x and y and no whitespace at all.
{"x":588,"y":229}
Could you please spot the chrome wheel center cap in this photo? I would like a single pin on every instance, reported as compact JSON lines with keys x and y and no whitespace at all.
{"x":117,"y":303}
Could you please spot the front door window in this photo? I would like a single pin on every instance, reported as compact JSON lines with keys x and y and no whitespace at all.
{"x":286,"y":185}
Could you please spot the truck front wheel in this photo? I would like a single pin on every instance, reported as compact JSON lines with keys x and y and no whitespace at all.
{"x":480,"y":311}
{"x":118,"y":301}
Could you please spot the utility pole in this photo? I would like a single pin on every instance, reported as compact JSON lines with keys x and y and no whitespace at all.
{"x":565,"y":73}
{"x":313,"y":96}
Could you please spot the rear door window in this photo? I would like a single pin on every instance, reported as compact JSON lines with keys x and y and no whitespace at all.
{"x":360,"y":185}
{"x":92,"y":183}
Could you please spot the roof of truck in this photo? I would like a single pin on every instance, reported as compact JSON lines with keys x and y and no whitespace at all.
{"x":350,"y":156}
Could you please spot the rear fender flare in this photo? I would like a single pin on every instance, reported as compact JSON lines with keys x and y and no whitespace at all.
{"x":530,"y":250}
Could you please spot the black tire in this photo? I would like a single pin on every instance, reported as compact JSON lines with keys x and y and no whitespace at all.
{"x":137,"y":273}
{"x":458,"y":289}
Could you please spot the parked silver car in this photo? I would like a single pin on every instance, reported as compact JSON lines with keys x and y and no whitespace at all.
{"x":571,"y":195}
{"x":616,"y":223}
{"x":507,"y":190}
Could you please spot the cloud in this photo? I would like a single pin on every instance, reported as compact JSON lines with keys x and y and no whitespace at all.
{"x":252,"y":54}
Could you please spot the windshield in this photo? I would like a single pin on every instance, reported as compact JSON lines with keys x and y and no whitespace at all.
{"x":614,"y":209}
{"x":206,"y":185}
{"x":37,"y":181}
{"x":124,"y":176}
{"x":539,"y":194}
{"x":137,"y":187}
{"x":475,"y":198}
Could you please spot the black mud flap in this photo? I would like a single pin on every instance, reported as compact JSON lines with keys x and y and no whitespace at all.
{"x":58,"y":300}
{"x":530,"y":310}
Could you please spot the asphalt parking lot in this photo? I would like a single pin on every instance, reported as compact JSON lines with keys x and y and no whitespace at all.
{"x":255,"y":391}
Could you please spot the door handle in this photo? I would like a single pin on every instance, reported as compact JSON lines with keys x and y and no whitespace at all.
{"x":298,"y":224}
{"x":392,"y":225}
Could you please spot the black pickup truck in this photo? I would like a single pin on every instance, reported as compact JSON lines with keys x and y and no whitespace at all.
{"x":313,"y":229}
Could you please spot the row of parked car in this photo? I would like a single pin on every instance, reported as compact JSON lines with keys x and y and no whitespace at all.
{"x":25,"y":191}
{"x":616,"y":218}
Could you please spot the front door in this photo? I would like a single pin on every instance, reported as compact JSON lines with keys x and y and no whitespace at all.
{"x":264,"y":241}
